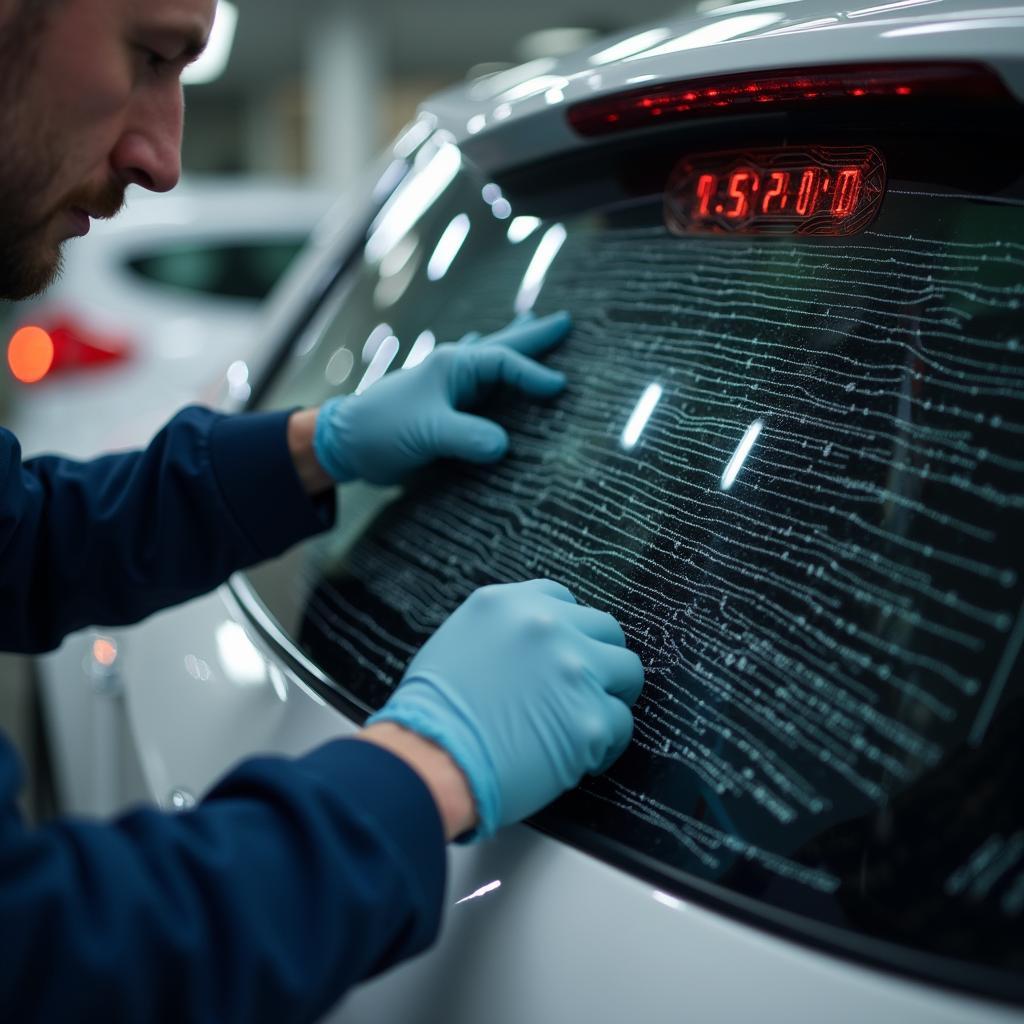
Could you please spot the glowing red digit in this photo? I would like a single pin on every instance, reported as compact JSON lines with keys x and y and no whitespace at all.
{"x":705,"y":193}
{"x":778,"y":187}
{"x":741,"y":184}
{"x":847,"y":192}
{"x":807,"y":197}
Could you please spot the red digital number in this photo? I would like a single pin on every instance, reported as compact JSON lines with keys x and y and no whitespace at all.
{"x":741,"y":184}
{"x":810,"y":190}
{"x":848,"y":183}
{"x":706,"y":188}
{"x":777,"y":188}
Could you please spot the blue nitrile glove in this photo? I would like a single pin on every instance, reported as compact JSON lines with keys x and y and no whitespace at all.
{"x":526,"y":690}
{"x":409,"y":418}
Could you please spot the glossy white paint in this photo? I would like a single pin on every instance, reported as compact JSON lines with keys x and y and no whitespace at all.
{"x":522,"y":111}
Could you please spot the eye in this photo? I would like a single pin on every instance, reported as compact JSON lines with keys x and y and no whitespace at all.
{"x":153,"y":59}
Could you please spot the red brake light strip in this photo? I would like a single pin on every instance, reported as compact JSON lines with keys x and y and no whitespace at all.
{"x":750,"y":91}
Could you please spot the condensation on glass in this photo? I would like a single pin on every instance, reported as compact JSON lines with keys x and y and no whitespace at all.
{"x":792,"y":470}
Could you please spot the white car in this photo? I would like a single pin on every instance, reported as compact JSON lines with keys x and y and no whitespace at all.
{"x":789,"y":461}
{"x":152,"y":308}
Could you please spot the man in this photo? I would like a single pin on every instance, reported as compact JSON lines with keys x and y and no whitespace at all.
{"x":293,"y":879}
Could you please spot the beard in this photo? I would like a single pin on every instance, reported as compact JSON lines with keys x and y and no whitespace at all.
{"x":31,"y":254}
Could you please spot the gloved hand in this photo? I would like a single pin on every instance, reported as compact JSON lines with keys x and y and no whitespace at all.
{"x":409,"y":418}
{"x":526,"y":690}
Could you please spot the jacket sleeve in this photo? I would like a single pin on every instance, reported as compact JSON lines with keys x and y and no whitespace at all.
{"x":112,"y":540}
{"x":289,"y":883}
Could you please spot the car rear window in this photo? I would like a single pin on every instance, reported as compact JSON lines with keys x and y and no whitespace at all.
{"x":245,"y":269}
{"x":790,"y":466}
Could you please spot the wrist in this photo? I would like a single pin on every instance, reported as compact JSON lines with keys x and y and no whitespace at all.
{"x":438,"y":770}
{"x":301,"y":428}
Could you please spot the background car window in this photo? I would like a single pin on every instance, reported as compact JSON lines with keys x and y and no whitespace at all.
{"x":792,"y":469}
{"x":243,"y":270}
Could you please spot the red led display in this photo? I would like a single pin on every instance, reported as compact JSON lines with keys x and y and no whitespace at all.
{"x":815,"y":190}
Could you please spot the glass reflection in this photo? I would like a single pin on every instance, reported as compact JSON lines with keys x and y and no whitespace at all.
{"x":533,"y":280}
{"x":380,"y":364}
{"x":739,"y":457}
{"x":421,"y":348}
{"x":412,"y":200}
{"x":448,"y":245}
{"x":641,"y":415}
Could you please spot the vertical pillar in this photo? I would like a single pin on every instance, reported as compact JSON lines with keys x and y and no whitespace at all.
{"x":344,"y":83}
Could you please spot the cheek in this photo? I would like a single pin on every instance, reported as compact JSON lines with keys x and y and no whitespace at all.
{"x":91,"y":117}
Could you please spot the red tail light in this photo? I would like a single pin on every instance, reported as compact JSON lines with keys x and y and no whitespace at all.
{"x":35,"y":352}
{"x":750,"y":91}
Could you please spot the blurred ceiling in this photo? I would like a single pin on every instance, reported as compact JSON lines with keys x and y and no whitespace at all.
{"x":421,"y":37}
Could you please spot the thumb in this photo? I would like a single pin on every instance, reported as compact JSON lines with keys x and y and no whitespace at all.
{"x":463,"y":436}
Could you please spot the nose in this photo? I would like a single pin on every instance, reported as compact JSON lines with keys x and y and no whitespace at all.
{"x":148,"y":152}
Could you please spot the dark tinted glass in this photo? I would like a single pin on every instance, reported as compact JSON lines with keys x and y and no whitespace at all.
{"x":792,"y":470}
{"x":241,"y":270}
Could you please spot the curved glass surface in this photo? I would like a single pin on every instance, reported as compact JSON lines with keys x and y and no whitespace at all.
{"x":790,"y":468}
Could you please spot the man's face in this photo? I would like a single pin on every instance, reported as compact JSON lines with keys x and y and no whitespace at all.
{"x":90,"y":102}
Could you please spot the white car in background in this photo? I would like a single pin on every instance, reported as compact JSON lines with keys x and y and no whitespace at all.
{"x":160,"y":307}
{"x":151,"y":310}
{"x":791,"y":237}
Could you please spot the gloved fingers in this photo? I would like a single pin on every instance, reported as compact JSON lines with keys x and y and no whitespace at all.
{"x":553,"y":589}
{"x":597,"y":625}
{"x":469,"y":339}
{"x":619,"y":722}
{"x":489,"y":365}
{"x":460,"y":435}
{"x":620,"y":671}
{"x":534,"y":335}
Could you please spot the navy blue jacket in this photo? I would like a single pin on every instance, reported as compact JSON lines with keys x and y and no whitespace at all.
{"x":293,"y":879}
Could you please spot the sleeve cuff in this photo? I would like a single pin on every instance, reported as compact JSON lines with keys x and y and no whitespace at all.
{"x":397,"y":801}
{"x":257,"y":479}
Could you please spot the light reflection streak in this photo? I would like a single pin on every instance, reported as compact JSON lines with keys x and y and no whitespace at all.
{"x":411,"y":200}
{"x":421,"y":348}
{"x":533,"y":87}
{"x":739,"y":457}
{"x":373,"y":342}
{"x":709,"y":35}
{"x":448,"y":245}
{"x":533,"y":280}
{"x":380,"y":364}
{"x":641,"y":415}
{"x":416,"y":133}
{"x":899,"y":5}
{"x":667,"y":901}
{"x":482,"y":891}
{"x":241,"y":661}
{"x":631,"y":46}
{"x":521,"y":228}
{"x":962,"y":25}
